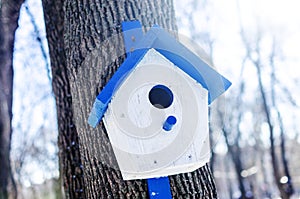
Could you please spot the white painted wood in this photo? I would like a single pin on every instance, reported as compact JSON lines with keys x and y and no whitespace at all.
{"x":142,"y":148}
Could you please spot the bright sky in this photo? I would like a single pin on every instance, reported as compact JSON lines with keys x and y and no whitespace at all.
{"x":34,"y":119}
{"x":274,"y":17}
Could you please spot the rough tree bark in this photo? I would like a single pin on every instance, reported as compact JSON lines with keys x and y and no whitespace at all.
{"x":86,"y":48}
{"x":69,"y":155}
{"x":9,"y":15}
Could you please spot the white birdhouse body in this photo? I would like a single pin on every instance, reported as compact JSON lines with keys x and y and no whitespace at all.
{"x":155,"y":90}
{"x":155,"y":106}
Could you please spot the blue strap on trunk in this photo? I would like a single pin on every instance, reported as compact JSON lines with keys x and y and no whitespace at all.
{"x":159,"y":188}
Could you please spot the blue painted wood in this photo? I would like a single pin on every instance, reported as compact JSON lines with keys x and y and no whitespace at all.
{"x":169,"y":47}
{"x":130,"y":29}
{"x":136,"y":46}
{"x":132,"y":34}
{"x":104,"y":97}
{"x":169,"y":123}
{"x":159,"y":188}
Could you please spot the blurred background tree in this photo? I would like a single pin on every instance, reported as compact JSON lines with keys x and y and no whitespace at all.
{"x":249,"y":125}
{"x":9,"y":14}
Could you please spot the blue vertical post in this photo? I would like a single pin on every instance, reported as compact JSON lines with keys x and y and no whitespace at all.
{"x":159,"y":188}
{"x":132,"y":34}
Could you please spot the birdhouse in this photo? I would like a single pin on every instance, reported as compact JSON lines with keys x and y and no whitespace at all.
{"x":155,"y":107}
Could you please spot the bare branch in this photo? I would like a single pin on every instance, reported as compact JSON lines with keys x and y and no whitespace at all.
{"x":39,"y":40}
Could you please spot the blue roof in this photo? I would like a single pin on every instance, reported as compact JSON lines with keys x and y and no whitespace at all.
{"x":170,"y":48}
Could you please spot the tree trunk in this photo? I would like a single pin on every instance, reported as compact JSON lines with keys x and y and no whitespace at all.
{"x":69,"y":155}
{"x":90,"y":52}
{"x":288,"y":187}
{"x":9,"y":15}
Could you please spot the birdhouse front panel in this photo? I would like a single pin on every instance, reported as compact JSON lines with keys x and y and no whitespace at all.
{"x":155,"y":107}
{"x":157,"y":120}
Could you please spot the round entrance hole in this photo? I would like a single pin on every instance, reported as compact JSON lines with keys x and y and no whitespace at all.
{"x":161,"y":96}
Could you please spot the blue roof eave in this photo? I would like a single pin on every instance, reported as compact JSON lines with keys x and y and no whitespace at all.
{"x":177,"y":53}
